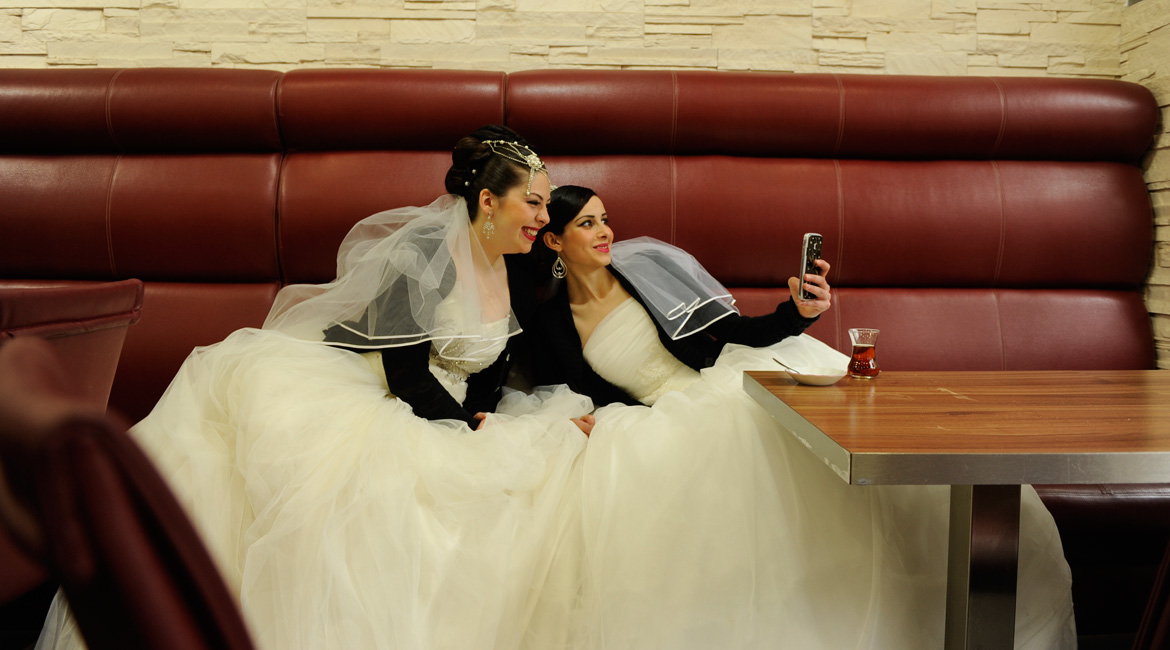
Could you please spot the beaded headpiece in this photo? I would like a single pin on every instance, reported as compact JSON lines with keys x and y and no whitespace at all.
{"x":518,"y":153}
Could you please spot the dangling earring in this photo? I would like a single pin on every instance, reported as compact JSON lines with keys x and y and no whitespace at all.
{"x":489,"y":228}
{"x":559,"y":269}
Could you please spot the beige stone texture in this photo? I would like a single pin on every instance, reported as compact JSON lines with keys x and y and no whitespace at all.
{"x":10,"y":30}
{"x":423,"y":32}
{"x":104,"y":53}
{"x":851,"y":59}
{"x":264,"y":53}
{"x":352,"y":54}
{"x":844,"y":44}
{"x":1110,"y":15}
{"x":61,"y":20}
{"x":927,"y":63}
{"x":1010,"y":21}
{"x":1067,"y":33}
{"x":70,"y":4}
{"x":767,"y":60}
{"x":761,"y":33}
{"x":121,"y":21}
{"x":902,"y":9}
{"x":922,"y":43}
{"x":691,"y":30}
{"x":30,"y":47}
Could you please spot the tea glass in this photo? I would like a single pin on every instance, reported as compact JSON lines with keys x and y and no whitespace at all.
{"x":863,"y":362}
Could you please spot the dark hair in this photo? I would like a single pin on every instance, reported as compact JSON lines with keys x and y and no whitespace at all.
{"x":475,"y":167}
{"x":564,"y":205}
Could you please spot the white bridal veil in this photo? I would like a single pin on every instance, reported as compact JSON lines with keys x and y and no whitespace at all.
{"x":404,"y":276}
{"x":679,"y":293}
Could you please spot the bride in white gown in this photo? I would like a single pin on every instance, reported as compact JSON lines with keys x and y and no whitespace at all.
{"x":706,"y":525}
{"x":344,"y":517}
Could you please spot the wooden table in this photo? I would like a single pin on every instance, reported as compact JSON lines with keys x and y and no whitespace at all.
{"x":985,"y":434}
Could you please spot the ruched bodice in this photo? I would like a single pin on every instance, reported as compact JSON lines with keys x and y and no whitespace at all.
{"x":624,"y":349}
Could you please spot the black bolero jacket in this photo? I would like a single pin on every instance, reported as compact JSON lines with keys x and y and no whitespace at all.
{"x":558,"y":358}
{"x":409,"y":377}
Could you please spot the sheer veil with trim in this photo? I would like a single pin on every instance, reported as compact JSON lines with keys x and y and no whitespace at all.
{"x":394,"y":269}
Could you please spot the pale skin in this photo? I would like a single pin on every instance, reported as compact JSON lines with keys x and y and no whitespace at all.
{"x":594,"y":292}
{"x":517,"y":215}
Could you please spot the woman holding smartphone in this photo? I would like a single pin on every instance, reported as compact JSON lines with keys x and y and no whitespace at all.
{"x":706,"y":525}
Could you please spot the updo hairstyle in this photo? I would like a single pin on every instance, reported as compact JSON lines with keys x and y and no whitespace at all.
{"x":474,"y":166}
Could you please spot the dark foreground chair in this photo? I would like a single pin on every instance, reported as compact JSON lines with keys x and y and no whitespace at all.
{"x":78,"y":494}
{"x":1154,"y":633}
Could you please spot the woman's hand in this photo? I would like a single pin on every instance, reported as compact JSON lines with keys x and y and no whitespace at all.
{"x":482,"y":417}
{"x":584,"y":423}
{"x":817,"y":285}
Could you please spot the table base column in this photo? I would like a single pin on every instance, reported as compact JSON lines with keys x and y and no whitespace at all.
{"x":982,"y":564}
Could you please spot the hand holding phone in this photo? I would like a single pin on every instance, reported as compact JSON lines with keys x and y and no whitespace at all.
{"x":810,"y":252}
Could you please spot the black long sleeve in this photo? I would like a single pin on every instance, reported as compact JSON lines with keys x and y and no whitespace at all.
{"x":409,"y":378}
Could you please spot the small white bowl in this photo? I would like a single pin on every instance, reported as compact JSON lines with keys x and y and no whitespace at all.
{"x":822,"y":376}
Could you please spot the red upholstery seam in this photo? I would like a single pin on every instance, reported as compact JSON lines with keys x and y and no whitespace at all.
{"x":109,"y":217}
{"x":1002,"y":224}
{"x":840,"y":114}
{"x":673,"y":200}
{"x":999,"y":326}
{"x":839,"y":263}
{"x":1002,"y":117}
{"x":109,"y":113}
{"x":277,"y":91}
{"x":78,"y":326}
{"x":674,"y":112}
{"x":673,"y":152}
{"x":117,"y":164}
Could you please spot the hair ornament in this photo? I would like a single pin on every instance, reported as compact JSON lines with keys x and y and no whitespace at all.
{"x":519,"y":154}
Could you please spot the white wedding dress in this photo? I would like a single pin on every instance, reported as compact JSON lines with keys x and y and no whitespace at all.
{"x":705,"y":525}
{"x":344,"y":521}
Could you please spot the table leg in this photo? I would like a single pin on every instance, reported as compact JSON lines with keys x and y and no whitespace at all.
{"x":981,"y":567}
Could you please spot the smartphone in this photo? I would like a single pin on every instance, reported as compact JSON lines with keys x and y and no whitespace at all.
{"x":810,"y":252}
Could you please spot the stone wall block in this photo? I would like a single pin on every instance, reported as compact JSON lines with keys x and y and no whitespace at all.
{"x":686,"y":29}
{"x":845,"y":44}
{"x":852,"y":59}
{"x":26,"y":48}
{"x":1102,"y":16}
{"x":1081,"y":34}
{"x":62,"y":20}
{"x":901,"y":42}
{"x":259,"y":54}
{"x":106,"y":50}
{"x":927,"y":63}
{"x":768,"y":59}
{"x":953,"y":8}
{"x":764,"y":33}
{"x":432,"y":31}
{"x":903,"y":9}
{"x":10,"y":30}
{"x":352,"y":53}
{"x":1011,"y":21}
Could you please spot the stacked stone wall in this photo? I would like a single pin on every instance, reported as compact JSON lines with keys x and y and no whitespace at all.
{"x":1001,"y":37}
{"x":1145,"y":59}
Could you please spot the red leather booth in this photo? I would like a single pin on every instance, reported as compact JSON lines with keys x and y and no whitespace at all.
{"x":980,"y":223}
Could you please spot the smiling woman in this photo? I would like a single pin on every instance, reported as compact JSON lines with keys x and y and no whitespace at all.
{"x":328,"y":459}
{"x":703,"y":523}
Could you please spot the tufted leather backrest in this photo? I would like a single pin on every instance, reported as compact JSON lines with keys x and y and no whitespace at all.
{"x":980,"y":223}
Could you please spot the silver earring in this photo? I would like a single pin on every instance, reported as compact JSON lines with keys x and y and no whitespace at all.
{"x":559,"y":269}
{"x":489,"y":228}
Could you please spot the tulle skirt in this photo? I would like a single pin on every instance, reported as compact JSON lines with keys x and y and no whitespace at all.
{"x":343,"y":520}
{"x":706,"y":525}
